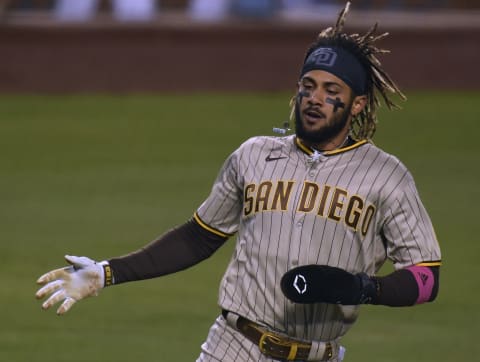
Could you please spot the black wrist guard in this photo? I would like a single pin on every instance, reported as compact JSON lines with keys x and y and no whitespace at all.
{"x":326,"y":284}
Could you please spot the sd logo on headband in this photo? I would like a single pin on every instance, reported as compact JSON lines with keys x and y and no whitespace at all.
{"x":339,"y":62}
{"x":322,"y":56}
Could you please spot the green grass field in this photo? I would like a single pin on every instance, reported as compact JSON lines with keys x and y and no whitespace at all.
{"x":102,"y":175}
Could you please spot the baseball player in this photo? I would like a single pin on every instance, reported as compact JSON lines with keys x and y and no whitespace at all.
{"x":315,"y":214}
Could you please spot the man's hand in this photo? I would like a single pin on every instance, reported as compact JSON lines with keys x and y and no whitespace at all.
{"x":83,"y":278}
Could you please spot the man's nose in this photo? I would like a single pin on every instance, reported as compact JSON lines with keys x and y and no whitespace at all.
{"x":316,"y":97}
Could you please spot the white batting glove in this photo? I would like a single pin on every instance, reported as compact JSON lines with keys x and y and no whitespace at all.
{"x":83,"y":278}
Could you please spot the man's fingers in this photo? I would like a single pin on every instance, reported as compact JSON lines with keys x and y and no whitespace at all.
{"x":66,"y":305}
{"x":79,"y":261}
{"x":61,"y":273}
{"x":83,"y":278}
{"x":49,"y":289}
{"x":54,"y":299}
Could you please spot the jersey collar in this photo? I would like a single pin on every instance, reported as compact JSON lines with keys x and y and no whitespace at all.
{"x":309,"y":151}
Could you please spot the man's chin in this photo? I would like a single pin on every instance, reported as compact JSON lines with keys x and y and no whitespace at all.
{"x":314,"y":136}
{"x":322,"y":133}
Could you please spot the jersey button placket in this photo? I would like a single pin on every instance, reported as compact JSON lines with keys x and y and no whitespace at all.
{"x":296,"y":234}
{"x":295,"y":240}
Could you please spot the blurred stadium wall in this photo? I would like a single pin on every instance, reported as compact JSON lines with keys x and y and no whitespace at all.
{"x":430,"y":49}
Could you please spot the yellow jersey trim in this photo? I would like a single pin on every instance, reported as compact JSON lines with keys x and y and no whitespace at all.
{"x":309,"y":151}
{"x":304,"y":148}
{"x":345,"y":149}
{"x":209,"y":228}
{"x":430,"y":263}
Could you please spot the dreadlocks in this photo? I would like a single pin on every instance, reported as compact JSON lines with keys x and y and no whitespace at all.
{"x":378,"y":82}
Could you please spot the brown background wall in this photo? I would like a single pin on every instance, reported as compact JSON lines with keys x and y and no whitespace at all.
{"x":222,"y":57}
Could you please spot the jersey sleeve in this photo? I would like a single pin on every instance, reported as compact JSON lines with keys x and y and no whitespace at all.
{"x":220,"y":212}
{"x":407,"y":229}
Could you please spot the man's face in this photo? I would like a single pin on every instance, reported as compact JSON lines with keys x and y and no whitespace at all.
{"x":323,"y":109}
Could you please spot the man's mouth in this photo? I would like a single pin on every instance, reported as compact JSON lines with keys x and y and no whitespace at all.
{"x":313,"y":115}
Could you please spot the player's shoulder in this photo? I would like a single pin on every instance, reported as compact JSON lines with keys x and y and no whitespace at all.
{"x":266,"y":143}
{"x":388,"y":165}
{"x":383,"y":157}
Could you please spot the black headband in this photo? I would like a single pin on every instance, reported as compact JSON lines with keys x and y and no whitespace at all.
{"x":340,"y":63}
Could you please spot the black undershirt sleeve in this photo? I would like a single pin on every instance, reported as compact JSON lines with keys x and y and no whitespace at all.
{"x":177,"y":249}
{"x":400,"y":288}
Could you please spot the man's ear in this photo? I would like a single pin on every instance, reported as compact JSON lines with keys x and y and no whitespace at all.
{"x":359,"y":103}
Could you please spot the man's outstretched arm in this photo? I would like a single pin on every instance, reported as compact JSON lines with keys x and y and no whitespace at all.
{"x":175,"y":250}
